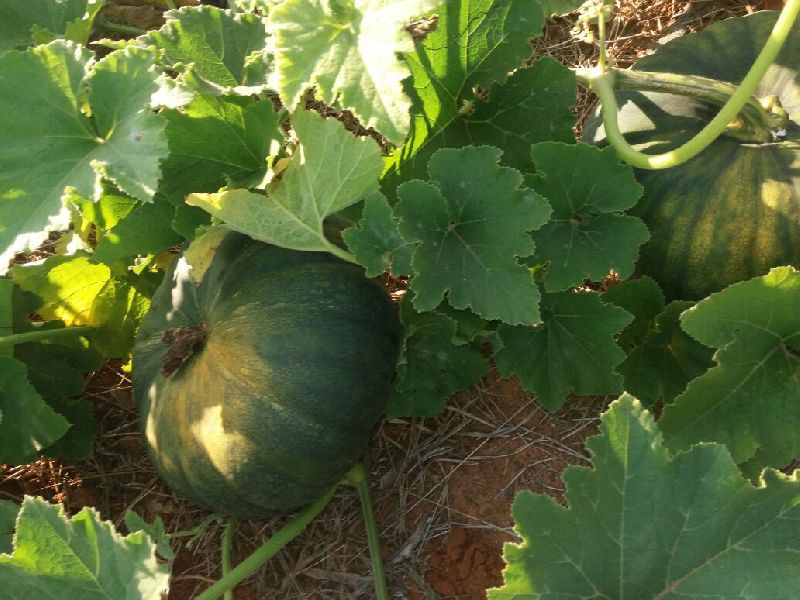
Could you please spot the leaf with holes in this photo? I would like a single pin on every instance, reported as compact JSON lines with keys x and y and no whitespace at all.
{"x":348,"y":52}
{"x":588,"y":235}
{"x":474,"y":47}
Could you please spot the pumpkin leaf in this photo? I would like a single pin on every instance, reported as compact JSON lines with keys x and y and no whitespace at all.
{"x":214,"y":51}
{"x":571,"y":352}
{"x":47,"y":143}
{"x":331,"y":171}
{"x":476,"y":44}
{"x":472,"y":223}
{"x":348,"y":52}
{"x":8,"y":519}
{"x":376,"y":242}
{"x":21,"y":19}
{"x":749,"y":399}
{"x":716,"y":536}
{"x":244,"y":131}
{"x":144,"y":230}
{"x":28,"y":423}
{"x":79,"y":292}
{"x":81,"y":557}
{"x":155,"y":530}
{"x":587,"y":236}
{"x":662,"y":358}
{"x":434,"y":364}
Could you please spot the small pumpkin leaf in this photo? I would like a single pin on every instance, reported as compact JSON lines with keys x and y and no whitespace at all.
{"x":472,"y":223}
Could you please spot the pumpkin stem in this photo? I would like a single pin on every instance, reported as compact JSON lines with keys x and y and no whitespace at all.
{"x":7,"y":341}
{"x":357,"y":477}
{"x":270,"y":548}
{"x":602,"y":82}
{"x":227,"y":543}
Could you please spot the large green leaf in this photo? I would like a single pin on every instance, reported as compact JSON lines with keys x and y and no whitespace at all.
{"x":331,"y":170}
{"x":571,"y":352}
{"x":214,"y":51}
{"x":47,"y":143}
{"x":587,"y":236}
{"x":472,"y":224}
{"x":643,"y":524}
{"x":750,"y":400}
{"x":79,"y":292}
{"x":27,"y":423}
{"x":348,"y":52}
{"x":79,"y":557}
{"x":475,"y":45}
{"x":662,"y":358}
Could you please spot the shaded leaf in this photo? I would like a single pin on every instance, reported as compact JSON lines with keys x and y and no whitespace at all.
{"x":662,"y":358}
{"x":434,"y":364}
{"x":243,"y":131}
{"x":376,"y":242}
{"x":28,"y":423}
{"x":571,"y":352}
{"x":20,"y":19}
{"x":8,"y":519}
{"x":644,"y":524}
{"x":472,"y":224}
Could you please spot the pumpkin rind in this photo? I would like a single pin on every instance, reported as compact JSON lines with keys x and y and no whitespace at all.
{"x":280,"y":399}
{"x":732,"y":212}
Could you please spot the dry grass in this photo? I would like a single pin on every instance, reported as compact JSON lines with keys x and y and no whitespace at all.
{"x":431,"y":477}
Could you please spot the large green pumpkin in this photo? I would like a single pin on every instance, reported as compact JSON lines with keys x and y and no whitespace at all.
{"x":732,"y":212}
{"x":259,"y":387}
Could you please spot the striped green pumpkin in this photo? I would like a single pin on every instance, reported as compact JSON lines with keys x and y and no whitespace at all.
{"x":733,"y":212}
{"x":279,"y":396}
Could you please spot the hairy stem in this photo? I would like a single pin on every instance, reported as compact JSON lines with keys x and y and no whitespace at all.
{"x":45,"y":334}
{"x":104,"y":24}
{"x":357,"y":477}
{"x":269,"y":549}
{"x":602,"y":83}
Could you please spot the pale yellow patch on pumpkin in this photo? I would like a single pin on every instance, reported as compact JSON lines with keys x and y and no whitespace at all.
{"x":221,"y":447}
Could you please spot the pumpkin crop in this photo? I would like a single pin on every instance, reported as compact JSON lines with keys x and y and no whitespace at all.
{"x":732,"y":212}
{"x":258,"y":388}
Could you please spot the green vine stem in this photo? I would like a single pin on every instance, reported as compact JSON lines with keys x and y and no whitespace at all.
{"x":227,"y":544}
{"x":271,"y":547}
{"x":45,"y":334}
{"x":357,"y":477}
{"x":104,"y":24}
{"x":756,"y":121}
{"x":602,"y":82}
